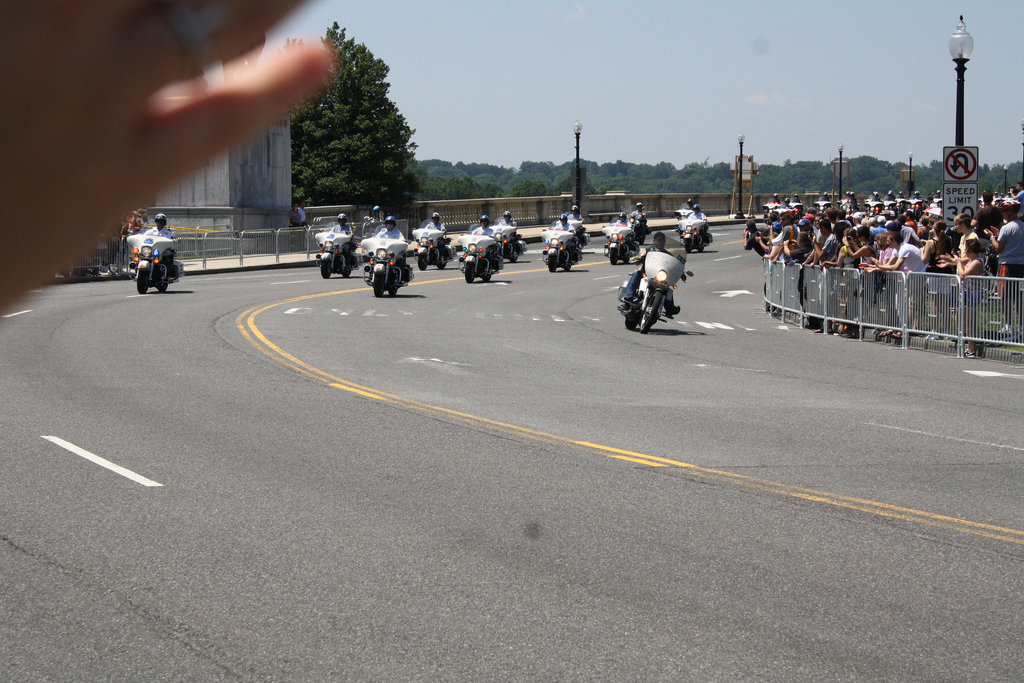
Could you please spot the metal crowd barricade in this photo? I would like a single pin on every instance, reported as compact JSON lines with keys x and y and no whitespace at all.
{"x":842,"y":295}
{"x":933,"y":305}
{"x":993,"y":310}
{"x":989,"y":310}
{"x":814,"y":292}
{"x":883,"y":295}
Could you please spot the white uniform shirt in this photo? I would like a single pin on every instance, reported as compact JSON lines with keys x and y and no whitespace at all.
{"x":165,"y":232}
{"x":483,"y":230}
{"x":390,"y":233}
{"x":345,"y":228}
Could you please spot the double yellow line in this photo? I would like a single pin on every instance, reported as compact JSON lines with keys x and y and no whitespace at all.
{"x":246,"y":325}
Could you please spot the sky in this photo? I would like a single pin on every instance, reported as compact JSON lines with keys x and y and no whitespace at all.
{"x":503,"y":82}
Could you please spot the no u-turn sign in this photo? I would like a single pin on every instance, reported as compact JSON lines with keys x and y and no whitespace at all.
{"x":960,"y":164}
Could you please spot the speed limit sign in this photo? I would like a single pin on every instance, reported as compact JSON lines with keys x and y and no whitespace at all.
{"x":958,"y":198}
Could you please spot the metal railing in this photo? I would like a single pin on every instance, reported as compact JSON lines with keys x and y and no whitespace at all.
{"x":936,"y":306}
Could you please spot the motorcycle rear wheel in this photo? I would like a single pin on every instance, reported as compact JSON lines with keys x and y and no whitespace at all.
{"x":161,"y":287}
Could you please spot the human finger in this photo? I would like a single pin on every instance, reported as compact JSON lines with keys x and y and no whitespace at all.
{"x":186,"y":128}
{"x":194,"y":34}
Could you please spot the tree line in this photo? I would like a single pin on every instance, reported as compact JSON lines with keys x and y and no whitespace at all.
{"x":439,"y":180}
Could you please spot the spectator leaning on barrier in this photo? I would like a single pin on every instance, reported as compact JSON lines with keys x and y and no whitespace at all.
{"x":968,"y":264}
{"x":907,"y":257}
{"x":1008,"y":243}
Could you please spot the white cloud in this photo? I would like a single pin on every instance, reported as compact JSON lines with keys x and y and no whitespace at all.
{"x":576,"y":14}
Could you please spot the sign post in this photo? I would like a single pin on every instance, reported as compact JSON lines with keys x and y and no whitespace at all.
{"x":959,"y":181}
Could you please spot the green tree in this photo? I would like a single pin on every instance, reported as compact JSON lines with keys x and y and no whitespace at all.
{"x":351,"y":145}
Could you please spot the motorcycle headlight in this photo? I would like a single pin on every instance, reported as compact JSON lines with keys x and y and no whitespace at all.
{"x":661,"y":276}
{"x":147,"y":252}
{"x":382,"y":253}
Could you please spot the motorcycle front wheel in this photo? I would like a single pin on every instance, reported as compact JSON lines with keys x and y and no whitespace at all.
{"x":142,"y":282}
{"x":378,"y":286}
{"x":552,"y":262}
{"x":650,"y":314}
{"x":470,"y":272}
{"x":421,"y":262}
{"x":325,"y":270}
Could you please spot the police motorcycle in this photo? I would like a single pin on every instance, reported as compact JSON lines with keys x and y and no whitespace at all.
{"x":561,"y":247}
{"x":875,"y":204}
{"x":337,"y":252}
{"x":774,"y":205}
{"x":481,"y":258}
{"x":661,"y":273}
{"x":386,"y":270}
{"x":890,"y":203}
{"x":148,"y":264}
{"x":620,"y":244}
{"x":510,"y":245}
{"x":796,"y":205}
{"x":693,"y":232}
{"x":432,"y":248}
{"x":849,"y":203}
{"x":823,"y":202}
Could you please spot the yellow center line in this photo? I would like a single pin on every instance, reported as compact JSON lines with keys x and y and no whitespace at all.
{"x":247,"y":327}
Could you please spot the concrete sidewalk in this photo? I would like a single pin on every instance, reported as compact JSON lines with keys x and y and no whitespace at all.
{"x":230,"y":264}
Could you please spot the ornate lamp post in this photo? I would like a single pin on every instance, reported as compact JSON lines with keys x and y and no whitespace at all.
{"x":840,"y":170}
{"x":1022,"y":152}
{"x":739,"y":206}
{"x":1006,"y":188}
{"x":578,"y":194}
{"x":961,"y":45}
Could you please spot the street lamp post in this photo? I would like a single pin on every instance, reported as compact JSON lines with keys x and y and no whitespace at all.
{"x":910,"y":178}
{"x":1022,"y":153}
{"x":1006,"y":188}
{"x":578,"y":194}
{"x":961,"y":45}
{"x":840,"y":171}
{"x":739,"y":206}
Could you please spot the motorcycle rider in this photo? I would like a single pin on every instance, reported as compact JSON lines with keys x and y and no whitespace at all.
{"x":343,"y":225}
{"x":563,"y":225}
{"x":657,"y":245}
{"x":436,"y":224}
{"x":390,"y":231}
{"x":574,"y":214}
{"x":701,"y":216}
{"x":161,"y":230}
{"x":484,"y":228}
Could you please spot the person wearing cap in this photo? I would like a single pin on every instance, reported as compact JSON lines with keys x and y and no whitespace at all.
{"x":1008,"y":243}
{"x":574,"y":214}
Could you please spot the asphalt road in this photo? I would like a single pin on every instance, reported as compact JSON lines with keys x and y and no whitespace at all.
{"x":496,"y":481}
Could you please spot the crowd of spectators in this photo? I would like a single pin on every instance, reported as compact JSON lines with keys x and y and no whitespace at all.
{"x":991,"y":242}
